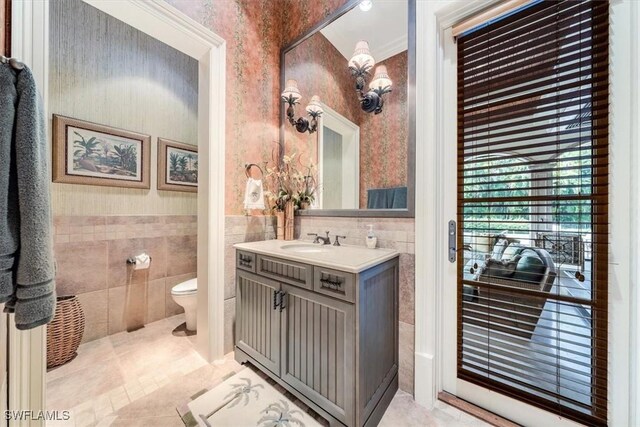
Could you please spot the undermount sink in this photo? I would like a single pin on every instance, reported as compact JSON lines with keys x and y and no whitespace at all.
{"x":305,"y":248}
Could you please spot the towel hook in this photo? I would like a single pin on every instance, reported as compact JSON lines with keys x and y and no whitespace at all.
{"x":247,"y":169}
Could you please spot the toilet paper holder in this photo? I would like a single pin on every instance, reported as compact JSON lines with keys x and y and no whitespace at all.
{"x":139,"y":261}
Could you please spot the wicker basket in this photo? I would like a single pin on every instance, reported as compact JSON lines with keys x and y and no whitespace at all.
{"x":64,"y":333}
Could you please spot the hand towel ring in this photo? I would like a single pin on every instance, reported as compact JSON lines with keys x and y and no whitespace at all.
{"x":247,"y":169}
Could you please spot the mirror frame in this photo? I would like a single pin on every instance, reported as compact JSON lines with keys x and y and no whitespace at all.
{"x":409,"y":212}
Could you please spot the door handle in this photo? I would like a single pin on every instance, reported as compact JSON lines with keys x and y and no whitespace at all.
{"x":283,"y":300}
{"x":452,"y":241}
{"x":276,"y":299}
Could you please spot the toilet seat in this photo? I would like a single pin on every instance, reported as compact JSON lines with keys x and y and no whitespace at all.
{"x":185,"y":288}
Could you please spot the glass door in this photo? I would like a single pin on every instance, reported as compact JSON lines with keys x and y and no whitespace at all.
{"x":529,"y":154}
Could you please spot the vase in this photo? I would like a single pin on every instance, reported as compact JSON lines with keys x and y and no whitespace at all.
{"x":280,"y":223}
{"x":289,"y":220}
{"x":305,"y":205}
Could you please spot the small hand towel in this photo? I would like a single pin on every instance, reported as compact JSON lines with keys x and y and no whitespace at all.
{"x":254,"y":194}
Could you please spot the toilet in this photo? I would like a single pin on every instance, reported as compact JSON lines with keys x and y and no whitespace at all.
{"x":185,"y":295}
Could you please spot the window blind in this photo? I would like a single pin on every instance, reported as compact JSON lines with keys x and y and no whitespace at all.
{"x":532,"y":207}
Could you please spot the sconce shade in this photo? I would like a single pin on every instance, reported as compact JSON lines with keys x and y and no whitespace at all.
{"x":362,"y":56}
{"x":380,"y":79}
{"x":291,"y":89}
{"x":315,"y":108}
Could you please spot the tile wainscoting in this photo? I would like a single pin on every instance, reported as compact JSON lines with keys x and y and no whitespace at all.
{"x":392,"y":233}
{"x":91,"y":253}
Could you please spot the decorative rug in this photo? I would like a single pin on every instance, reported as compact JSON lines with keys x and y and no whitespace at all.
{"x":248,"y":398}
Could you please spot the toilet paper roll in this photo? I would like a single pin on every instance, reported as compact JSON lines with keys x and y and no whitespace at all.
{"x":142,"y":262}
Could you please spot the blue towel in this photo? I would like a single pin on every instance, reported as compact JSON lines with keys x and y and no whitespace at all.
{"x":387,"y":198}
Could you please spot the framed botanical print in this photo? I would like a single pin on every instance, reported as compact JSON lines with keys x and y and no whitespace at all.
{"x":177,"y":166}
{"x":93,"y":154}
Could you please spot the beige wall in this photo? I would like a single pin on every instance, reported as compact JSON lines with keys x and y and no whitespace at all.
{"x":120,"y":77}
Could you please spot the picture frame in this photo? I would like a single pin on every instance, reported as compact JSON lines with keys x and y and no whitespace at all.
{"x":93,"y":154}
{"x":177,"y":166}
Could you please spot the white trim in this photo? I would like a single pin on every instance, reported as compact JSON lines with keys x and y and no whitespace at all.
{"x":392,"y":47}
{"x":634,"y":339}
{"x":178,"y":30}
{"x":350,"y":150}
{"x":172,"y":27}
{"x":426,"y":224}
{"x":432,"y":19}
{"x":26,"y":356}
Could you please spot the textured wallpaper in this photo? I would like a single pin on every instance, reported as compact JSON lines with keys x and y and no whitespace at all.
{"x":255,"y":31}
{"x":384,"y":138}
{"x":121,"y":77}
{"x":320,"y":69}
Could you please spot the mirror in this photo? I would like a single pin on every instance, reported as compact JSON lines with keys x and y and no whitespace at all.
{"x":358,"y":128}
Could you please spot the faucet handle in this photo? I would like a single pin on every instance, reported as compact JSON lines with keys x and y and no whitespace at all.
{"x":337,"y":242}
{"x":312,"y":234}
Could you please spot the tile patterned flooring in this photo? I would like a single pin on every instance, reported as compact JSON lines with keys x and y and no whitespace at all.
{"x":139,"y":378}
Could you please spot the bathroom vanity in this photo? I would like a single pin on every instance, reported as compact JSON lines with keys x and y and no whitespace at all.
{"x":322,"y":321}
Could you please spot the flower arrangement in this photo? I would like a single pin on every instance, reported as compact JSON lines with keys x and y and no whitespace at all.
{"x":291,"y":181}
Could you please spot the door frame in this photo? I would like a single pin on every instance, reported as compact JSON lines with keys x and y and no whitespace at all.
{"x":30,"y":31}
{"x":351,"y":135}
{"x":432,"y":19}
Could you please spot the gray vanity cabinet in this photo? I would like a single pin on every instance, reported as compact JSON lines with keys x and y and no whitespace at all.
{"x":328,"y":336}
{"x":257,"y":322}
{"x":318,"y":356}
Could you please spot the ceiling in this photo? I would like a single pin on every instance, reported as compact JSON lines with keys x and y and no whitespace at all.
{"x":385,"y":27}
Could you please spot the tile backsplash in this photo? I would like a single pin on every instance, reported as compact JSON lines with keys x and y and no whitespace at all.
{"x":91,"y":254}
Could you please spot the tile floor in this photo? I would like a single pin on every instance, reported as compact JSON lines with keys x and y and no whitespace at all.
{"x":139,"y":378}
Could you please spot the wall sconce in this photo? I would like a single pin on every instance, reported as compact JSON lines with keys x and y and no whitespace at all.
{"x":360,"y":65}
{"x":291,"y":95}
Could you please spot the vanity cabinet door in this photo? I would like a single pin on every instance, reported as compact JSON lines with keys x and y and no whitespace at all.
{"x":257,"y":319}
{"x":318,"y":350}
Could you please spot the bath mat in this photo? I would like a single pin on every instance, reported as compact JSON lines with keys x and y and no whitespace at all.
{"x":248,"y":398}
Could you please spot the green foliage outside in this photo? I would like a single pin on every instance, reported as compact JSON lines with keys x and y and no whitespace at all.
{"x":502,"y":178}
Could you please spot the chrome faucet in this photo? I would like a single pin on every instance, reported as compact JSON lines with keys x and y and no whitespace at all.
{"x":318,"y":239}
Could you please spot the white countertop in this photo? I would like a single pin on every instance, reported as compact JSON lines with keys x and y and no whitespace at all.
{"x":352,"y":259}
